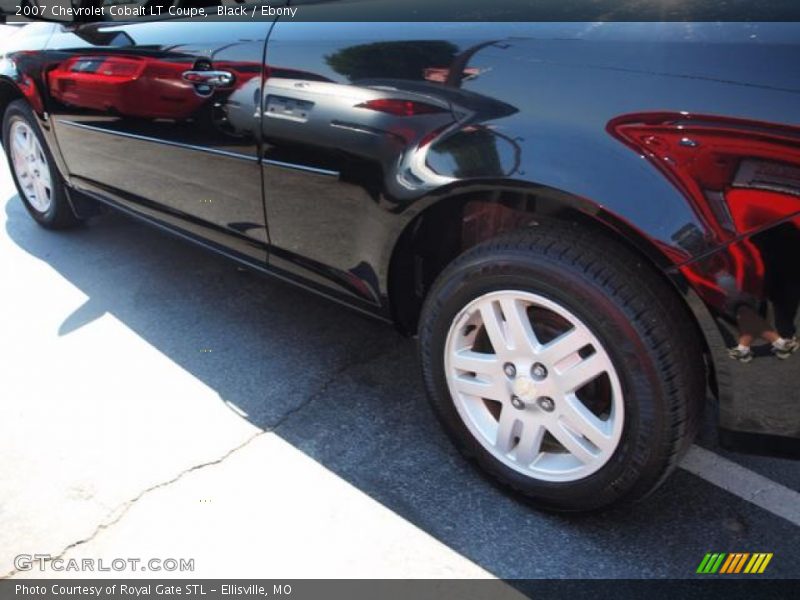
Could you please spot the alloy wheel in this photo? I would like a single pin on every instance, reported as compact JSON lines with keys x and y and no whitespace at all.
{"x":31,"y":166}
{"x":534,"y":385}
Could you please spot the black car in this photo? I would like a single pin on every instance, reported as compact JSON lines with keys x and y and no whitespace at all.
{"x":592,"y":228}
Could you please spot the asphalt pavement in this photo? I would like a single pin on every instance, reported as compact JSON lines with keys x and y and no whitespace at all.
{"x":157,"y":401}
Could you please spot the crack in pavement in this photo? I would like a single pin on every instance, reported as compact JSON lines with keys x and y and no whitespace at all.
{"x":124,"y":508}
{"x":324,"y":387}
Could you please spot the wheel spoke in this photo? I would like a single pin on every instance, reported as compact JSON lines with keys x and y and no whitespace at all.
{"x":519,"y":331}
{"x":25,"y":177}
{"x":506,"y":429}
{"x":508,"y":327}
{"x":530,"y":442}
{"x":20,"y":165}
{"x":583,"y":372}
{"x":476,"y":362}
{"x":41,"y":194}
{"x":482,"y":387}
{"x":493,"y":323}
{"x":44,"y":175}
{"x":583,"y":421}
{"x":564,"y":349}
{"x":22,"y":142}
{"x":572,"y":441}
{"x":36,"y":200}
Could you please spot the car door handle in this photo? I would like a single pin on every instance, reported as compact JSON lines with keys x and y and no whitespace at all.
{"x":211,"y":78}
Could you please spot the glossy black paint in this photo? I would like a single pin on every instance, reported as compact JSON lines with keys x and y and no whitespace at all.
{"x":149,"y":119}
{"x":290,"y":170}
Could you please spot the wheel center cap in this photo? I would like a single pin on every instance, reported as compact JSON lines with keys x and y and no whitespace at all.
{"x":525,"y":389}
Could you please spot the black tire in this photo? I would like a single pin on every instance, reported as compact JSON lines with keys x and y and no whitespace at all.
{"x":642,"y":324}
{"x":59,"y":214}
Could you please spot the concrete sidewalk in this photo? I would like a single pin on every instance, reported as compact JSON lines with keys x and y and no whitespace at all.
{"x":111,"y":449}
{"x":263,"y":511}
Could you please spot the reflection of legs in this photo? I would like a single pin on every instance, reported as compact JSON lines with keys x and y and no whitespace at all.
{"x":747,"y":327}
{"x":751,"y":326}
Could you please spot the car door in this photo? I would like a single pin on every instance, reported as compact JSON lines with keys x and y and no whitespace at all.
{"x":141,"y":115}
{"x":349,"y":111}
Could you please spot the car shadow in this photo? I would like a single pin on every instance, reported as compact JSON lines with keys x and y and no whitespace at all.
{"x":346,"y":391}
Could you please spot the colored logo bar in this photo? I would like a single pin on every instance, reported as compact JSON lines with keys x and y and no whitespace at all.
{"x":734,"y":562}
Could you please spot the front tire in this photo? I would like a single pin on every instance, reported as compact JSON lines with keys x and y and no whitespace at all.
{"x":563,"y":365}
{"x":39,"y":184}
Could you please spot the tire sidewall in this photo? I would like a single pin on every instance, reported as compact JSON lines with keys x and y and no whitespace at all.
{"x":614,"y":328}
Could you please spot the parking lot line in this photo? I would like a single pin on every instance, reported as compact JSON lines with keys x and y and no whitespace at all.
{"x":744,"y":483}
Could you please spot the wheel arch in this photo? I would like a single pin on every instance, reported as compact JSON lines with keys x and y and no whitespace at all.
{"x":467,"y":217}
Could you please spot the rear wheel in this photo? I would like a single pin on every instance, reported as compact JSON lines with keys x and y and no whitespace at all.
{"x":38,"y":182}
{"x":566,"y":368}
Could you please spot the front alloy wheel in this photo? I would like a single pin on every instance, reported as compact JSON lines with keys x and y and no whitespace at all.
{"x":40,"y":186}
{"x":534,"y":385}
{"x":564,"y":365}
{"x":30,"y":166}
